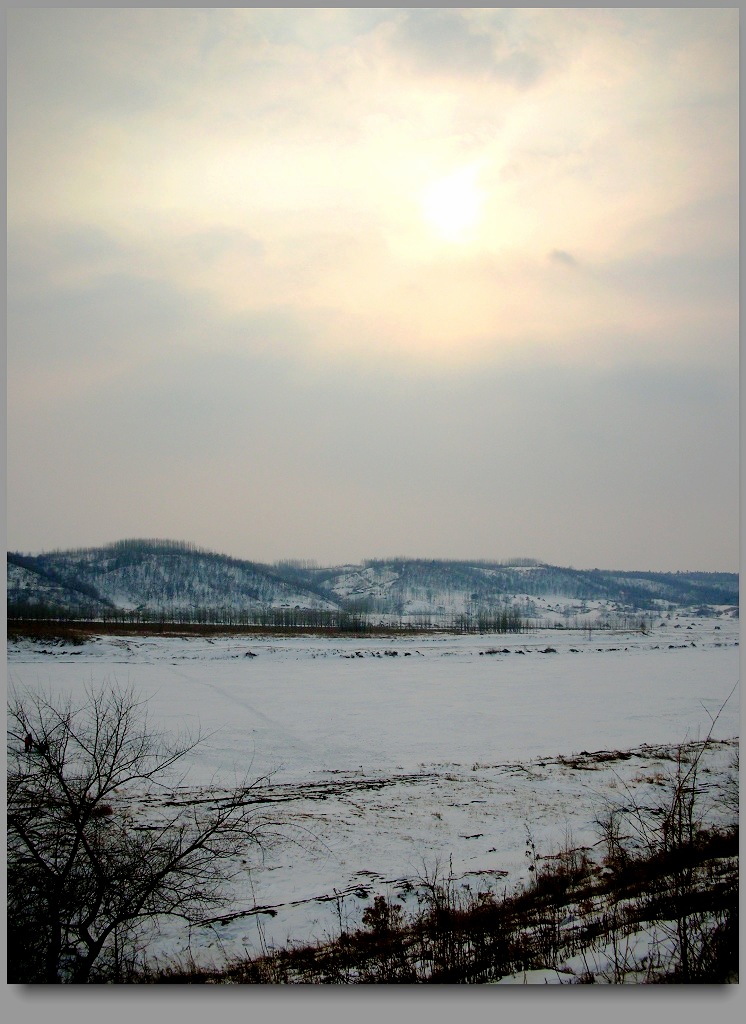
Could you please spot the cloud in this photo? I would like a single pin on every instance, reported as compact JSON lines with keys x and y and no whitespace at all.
{"x":446,"y":40}
{"x":221,"y":282}
{"x":563,"y":257}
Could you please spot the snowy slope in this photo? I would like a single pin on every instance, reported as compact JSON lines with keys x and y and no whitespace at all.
{"x":174,"y":579}
{"x":161,"y":578}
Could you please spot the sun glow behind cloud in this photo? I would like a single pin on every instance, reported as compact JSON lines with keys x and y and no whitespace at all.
{"x":452,"y":205}
{"x":369,"y":194}
{"x":399,"y":212}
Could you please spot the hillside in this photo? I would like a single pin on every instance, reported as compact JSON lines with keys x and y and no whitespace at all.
{"x":138,"y":577}
{"x":145,"y":579}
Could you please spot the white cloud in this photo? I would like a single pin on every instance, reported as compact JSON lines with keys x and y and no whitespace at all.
{"x":246,"y":186}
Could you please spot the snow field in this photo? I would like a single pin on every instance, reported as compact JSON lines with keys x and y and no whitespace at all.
{"x":391,"y":758}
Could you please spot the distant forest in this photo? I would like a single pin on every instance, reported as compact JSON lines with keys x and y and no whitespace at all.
{"x":151,"y":580}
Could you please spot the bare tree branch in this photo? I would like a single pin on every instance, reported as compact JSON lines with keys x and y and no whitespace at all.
{"x":83,"y":874}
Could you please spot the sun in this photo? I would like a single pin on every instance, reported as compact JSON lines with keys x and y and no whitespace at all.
{"x":452,"y":205}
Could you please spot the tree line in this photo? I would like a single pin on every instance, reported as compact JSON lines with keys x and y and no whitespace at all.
{"x":336,"y":620}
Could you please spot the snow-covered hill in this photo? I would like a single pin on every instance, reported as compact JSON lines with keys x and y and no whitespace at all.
{"x":179,"y":581}
{"x":143,"y":576}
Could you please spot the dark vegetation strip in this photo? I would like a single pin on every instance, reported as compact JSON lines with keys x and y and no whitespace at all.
{"x":284,"y":792}
{"x":572,"y":907}
{"x":75,"y":631}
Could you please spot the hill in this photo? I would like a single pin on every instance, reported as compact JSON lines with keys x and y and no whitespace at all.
{"x":143,"y":580}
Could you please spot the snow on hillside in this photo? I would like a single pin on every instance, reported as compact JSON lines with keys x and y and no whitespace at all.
{"x":29,"y":589}
{"x":20,"y":578}
{"x":158,"y":580}
{"x":170,"y":578}
{"x":369,"y":582}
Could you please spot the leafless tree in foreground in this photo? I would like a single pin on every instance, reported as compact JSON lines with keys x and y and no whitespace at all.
{"x":85,"y":878}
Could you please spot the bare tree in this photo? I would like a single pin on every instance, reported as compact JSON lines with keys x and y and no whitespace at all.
{"x":85,"y":877}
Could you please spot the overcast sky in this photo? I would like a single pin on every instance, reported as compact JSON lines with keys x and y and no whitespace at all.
{"x":348,"y":283}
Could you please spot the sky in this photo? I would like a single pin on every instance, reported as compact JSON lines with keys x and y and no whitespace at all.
{"x":347,"y":283}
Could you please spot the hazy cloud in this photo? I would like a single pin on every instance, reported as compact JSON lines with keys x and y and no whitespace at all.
{"x":565,"y":258}
{"x":236,"y":315}
{"x":447,"y":41}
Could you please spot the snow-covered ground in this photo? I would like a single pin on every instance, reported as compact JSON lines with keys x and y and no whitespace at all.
{"x":393,"y":758}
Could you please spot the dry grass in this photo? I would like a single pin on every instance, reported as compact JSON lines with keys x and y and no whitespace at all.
{"x":572,"y":907}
